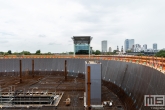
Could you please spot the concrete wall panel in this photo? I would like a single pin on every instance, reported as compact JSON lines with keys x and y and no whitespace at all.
{"x":136,"y":80}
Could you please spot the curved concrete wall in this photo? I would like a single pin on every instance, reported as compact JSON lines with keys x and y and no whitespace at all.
{"x":136,"y":80}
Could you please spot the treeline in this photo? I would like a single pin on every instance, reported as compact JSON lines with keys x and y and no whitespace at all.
{"x":161,"y":53}
{"x":97,"y":52}
{"x":38,"y":52}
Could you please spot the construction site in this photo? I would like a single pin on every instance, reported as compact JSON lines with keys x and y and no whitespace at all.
{"x":63,"y":83}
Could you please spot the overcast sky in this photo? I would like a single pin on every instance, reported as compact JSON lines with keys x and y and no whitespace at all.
{"x":48,"y":25}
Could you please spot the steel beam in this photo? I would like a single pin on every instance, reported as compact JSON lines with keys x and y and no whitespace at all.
{"x":89,"y":87}
{"x":65,"y":70}
{"x":20,"y":62}
{"x":33,"y":68}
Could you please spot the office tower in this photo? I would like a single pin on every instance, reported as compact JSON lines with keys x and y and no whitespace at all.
{"x":104,"y":46}
{"x":155,"y":46}
{"x":128,"y":43}
{"x":122,"y":49}
{"x":145,"y":46}
{"x":118,"y":48}
{"x":110,"y":49}
{"x":137,"y":48}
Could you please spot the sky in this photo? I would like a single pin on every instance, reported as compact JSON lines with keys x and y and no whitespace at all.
{"x":48,"y":25}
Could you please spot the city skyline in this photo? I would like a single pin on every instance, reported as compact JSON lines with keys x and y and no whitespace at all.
{"x":47,"y":25}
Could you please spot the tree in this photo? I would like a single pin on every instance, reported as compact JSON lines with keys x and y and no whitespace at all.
{"x":71,"y":53}
{"x":49,"y":53}
{"x":128,"y":51}
{"x":1,"y":53}
{"x":16,"y":53}
{"x":38,"y":52}
{"x":9,"y":52}
{"x":97,"y":52}
{"x":161,"y":53}
{"x":93,"y":52}
{"x":114,"y":51}
{"x":6,"y":53}
{"x":25,"y":53}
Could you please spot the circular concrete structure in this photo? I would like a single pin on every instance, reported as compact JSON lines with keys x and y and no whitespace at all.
{"x":129,"y":81}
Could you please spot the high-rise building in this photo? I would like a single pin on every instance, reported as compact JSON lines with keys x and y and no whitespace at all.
{"x":155,"y":46}
{"x":145,"y":46}
{"x":122,"y":49}
{"x":137,"y":48}
{"x":110,"y":49}
{"x":128,"y":43}
{"x":104,"y":46}
{"x":118,"y":48}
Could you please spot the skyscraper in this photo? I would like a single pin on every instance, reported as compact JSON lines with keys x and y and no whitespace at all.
{"x":110,"y":49}
{"x":137,"y":48}
{"x":118,"y":48}
{"x":145,"y":46}
{"x":104,"y":46}
{"x":155,"y":46}
{"x":128,"y":43}
{"x":122,"y":49}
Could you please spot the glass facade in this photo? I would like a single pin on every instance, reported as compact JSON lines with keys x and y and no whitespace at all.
{"x":128,"y":44}
{"x":155,"y":46}
{"x":104,"y":46}
{"x":82,"y":49}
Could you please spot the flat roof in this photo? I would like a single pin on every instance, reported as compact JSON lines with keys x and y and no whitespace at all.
{"x":82,"y":39}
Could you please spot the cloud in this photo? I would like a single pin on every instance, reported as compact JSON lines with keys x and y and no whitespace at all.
{"x":41,"y":35}
{"x":2,"y":42}
{"x":49,"y":25}
{"x":53,"y":43}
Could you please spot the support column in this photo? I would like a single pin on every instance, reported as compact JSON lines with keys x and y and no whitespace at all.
{"x":65,"y":70}
{"x":163,"y":64}
{"x":33,"y":68}
{"x":89,"y":50}
{"x":88,"y":87}
{"x":74,"y":49}
{"x":20,"y":79}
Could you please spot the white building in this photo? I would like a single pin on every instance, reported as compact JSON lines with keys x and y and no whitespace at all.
{"x":128,"y":44}
{"x":144,"y":46}
{"x":137,"y":48}
{"x":104,"y":46}
{"x":110,"y":49}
